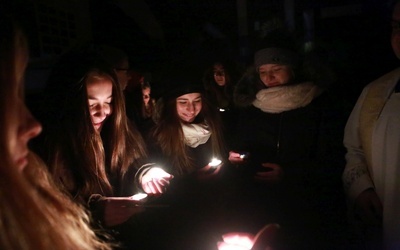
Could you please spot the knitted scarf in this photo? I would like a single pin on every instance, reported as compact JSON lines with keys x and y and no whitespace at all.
{"x":196,"y":134}
{"x":287,"y":97}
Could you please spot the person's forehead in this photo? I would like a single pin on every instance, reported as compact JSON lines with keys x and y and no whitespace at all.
{"x":218,"y":66}
{"x":271,"y":65}
{"x":189,"y":96}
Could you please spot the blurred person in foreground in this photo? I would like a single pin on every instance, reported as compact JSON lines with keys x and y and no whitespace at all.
{"x":34,"y":214}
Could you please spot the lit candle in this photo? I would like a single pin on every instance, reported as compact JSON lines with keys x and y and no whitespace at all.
{"x":244,"y":155}
{"x":214,"y":162}
{"x":236,"y":241}
{"x":158,"y":173}
{"x":138,"y":196}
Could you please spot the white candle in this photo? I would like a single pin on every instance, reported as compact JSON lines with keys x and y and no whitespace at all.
{"x":214,"y":162}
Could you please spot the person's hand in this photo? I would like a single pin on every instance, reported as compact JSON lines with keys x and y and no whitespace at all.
{"x":236,"y":241}
{"x":235,"y":158}
{"x":263,"y":240}
{"x":210,"y":171}
{"x":117,"y":210}
{"x":368,"y":208}
{"x":155,"y":181}
{"x":273,"y":173}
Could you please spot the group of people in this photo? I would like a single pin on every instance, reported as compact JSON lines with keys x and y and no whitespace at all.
{"x":259,"y":151}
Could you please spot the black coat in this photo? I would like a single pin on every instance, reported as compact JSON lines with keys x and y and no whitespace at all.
{"x":307,"y":143}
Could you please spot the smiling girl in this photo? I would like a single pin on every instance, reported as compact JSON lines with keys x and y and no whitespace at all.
{"x":91,"y":148}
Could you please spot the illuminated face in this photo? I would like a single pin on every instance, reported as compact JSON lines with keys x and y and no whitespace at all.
{"x":219,"y":74}
{"x":23,"y":127}
{"x":188,"y":106}
{"x":275,"y":74}
{"x":123,"y":74}
{"x":146,"y":95}
{"x":395,"y":39}
{"x":99,"y":101}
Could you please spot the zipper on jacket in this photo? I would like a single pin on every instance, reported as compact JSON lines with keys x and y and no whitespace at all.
{"x":278,"y":141}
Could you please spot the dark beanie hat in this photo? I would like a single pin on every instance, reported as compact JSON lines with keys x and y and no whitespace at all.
{"x":182,"y":88}
{"x":276,"y":47}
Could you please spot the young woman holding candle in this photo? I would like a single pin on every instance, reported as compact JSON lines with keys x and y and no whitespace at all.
{"x":91,"y":148}
{"x":186,"y":139}
{"x":291,"y":126}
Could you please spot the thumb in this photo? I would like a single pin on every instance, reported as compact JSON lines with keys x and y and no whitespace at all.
{"x":266,"y":237}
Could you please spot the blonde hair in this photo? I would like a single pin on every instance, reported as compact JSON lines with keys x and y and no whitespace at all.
{"x":34,"y":214}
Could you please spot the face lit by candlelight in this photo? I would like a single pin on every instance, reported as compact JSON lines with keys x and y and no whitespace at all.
{"x":22,"y":126}
{"x":188,"y":106}
{"x":99,"y":101}
{"x":146,"y":95}
{"x":275,"y":74}
{"x":219,"y":74}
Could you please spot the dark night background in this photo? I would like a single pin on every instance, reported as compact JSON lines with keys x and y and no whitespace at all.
{"x":162,"y":34}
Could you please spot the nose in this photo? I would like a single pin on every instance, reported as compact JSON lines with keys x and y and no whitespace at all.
{"x":191,"y":107}
{"x":31,"y":128}
{"x":268,"y":77}
{"x":102,"y":110}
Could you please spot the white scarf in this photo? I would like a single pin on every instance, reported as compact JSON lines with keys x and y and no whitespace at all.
{"x":196,"y":134}
{"x":287,"y":97}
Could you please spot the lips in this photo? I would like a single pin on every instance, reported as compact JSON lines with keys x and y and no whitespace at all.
{"x":22,"y":161}
{"x":272,"y":84}
{"x":189,"y":117}
{"x":97,"y":125}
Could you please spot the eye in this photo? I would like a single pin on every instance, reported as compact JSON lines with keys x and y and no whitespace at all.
{"x":277,"y":69}
{"x":109,"y":101}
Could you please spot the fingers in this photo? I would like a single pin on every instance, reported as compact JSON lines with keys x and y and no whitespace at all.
{"x":226,"y":246}
{"x":271,"y":165}
{"x":266,"y":237}
{"x":273,"y":173}
{"x":235,"y":158}
{"x":236,"y":240}
{"x":156,"y":186}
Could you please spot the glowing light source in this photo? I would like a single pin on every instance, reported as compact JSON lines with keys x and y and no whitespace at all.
{"x":138,"y":196}
{"x":158,"y":173}
{"x":239,"y":241}
{"x":214,"y":162}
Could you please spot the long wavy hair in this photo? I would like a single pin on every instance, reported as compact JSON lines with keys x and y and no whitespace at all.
{"x":34,"y":213}
{"x":169,"y":135}
{"x":83,"y":159}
